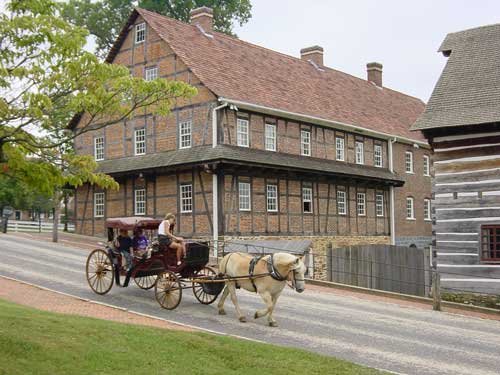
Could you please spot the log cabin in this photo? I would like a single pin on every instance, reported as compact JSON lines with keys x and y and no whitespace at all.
{"x":462,"y":123}
{"x":272,"y":146}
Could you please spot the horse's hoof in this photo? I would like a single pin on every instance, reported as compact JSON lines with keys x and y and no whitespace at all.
{"x":256,"y":315}
{"x":242,"y":319}
{"x":222,"y":312}
{"x":273,"y":324}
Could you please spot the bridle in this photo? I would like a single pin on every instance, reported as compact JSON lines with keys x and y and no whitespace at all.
{"x":292,"y":283}
{"x":273,"y":272}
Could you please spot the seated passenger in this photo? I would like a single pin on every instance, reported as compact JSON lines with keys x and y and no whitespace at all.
{"x":166,"y":237}
{"x":140,"y":242}
{"x":123,"y":244}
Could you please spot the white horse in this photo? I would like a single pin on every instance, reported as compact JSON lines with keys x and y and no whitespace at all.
{"x":270,"y":275}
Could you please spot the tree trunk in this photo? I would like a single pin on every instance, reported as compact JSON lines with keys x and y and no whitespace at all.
{"x":57,"y":211}
{"x":65,"y":212}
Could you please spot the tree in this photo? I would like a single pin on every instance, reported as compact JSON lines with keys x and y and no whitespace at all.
{"x":105,"y":18}
{"x":47,"y":79}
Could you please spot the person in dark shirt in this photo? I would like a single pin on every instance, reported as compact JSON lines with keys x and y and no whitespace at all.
{"x":140,"y":242}
{"x":124,"y":245}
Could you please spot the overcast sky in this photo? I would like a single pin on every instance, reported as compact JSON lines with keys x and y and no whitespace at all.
{"x":403,"y":35}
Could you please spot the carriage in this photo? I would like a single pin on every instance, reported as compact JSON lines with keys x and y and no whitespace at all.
{"x":157,"y":268}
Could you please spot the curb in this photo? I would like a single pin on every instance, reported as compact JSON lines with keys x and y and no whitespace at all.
{"x":196,"y":328}
{"x":404,"y":297}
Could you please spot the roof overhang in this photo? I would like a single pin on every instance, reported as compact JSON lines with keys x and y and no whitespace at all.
{"x":320,"y":121}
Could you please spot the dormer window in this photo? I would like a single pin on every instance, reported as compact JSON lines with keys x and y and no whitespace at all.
{"x":140,"y":33}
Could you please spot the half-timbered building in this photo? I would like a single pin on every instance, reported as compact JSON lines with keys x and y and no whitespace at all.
{"x":462,"y":123}
{"x":271,"y":146}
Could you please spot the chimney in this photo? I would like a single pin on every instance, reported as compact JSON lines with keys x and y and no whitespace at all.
{"x":314,"y":53}
{"x":374,"y":73}
{"x":204,"y":17}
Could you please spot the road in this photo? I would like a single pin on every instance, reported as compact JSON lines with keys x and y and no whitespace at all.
{"x":373,"y":333}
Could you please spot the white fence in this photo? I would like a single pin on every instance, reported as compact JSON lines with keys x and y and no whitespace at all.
{"x":35,"y":226}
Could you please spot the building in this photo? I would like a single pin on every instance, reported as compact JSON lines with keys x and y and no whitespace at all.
{"x":272,"y":146}
{"x":462,"y":123}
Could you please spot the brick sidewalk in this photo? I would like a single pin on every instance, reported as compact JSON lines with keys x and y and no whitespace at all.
{"x":42,"y":299}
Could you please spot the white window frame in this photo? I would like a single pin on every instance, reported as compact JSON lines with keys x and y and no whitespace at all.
{"x":140,"y":202}
{"x":186,"y":197}
{"x":427,"y":209}
{"x":151,"y":73}
{"x":185,"y":134}
{"x":341,"y":202}
{"x":427,"y":165}
{"x":305,"y":143}
{"x":270,"y":137}
{"x":243,"y":132}
{"x":379,"y":204}
{"x":360,"y":152}
{"x":340,"y":149}
{"x":307,"y":196}
{"x":140,"y":33}
{"x":410,"y":208}
{"x":140,"y":141}
{"x":99,"y":204}
{"x":244,"y":196}
{"x":99,"y":148}
{"x":409,"y":162}
{"x":272,"y":197}
{"x":378,"y":159}
{"x":361,"y":204}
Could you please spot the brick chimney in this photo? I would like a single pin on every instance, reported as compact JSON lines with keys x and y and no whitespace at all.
{"x":203,"y":16}
{"x":374,"y":73}
{"x":314,"y":53}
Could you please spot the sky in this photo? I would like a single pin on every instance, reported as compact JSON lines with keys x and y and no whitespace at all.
{"x":402,"y":35}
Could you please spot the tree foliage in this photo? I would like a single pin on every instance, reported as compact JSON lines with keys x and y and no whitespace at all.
{"x":105,"y":18}
{"x":46,"y":79}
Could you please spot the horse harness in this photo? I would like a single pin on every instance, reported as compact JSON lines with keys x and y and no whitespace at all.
{"x":272,"y":271}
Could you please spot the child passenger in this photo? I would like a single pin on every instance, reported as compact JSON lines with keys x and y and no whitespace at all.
{"x":124,"y":245}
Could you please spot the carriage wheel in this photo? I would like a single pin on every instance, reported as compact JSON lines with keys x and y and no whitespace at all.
{"x":146,"y":282}
{"x":100,"y":272}
{"x":200,"y":291}
{"x":168,"y":290}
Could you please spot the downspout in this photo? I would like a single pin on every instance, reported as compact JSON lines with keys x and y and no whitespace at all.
{"x":391,"y":192}
{"x":215,"y":186}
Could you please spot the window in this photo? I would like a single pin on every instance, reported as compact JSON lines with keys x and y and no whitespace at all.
{"x":307,"y":200}
{"x":427,"y":209}
{"x":242,"y":132}
{"x":98,"y":204}
{"x":151,"y":73}
{"x":305,"y":142}
{"x":341,"y":202}
{"x":186,"y":198}
{"x":18,"y":215}
{"x":360,"y":154}
{"x":140,"y":202}
{"x":99,"y":148}
{"x":427,"y":166}
{"x":272,"y":198}
{"x":340,"y":149}
{"x":185,"y":134}
{"x":140,"y":33}
{"x":410,"y":209}
{"x":377,"y":156}
{"x":244,"y":196}
{"x":361,"y":204}
{"x":140,"y":141}
{"x":490,"y":243}
{"x":270,"y":137}
{"x":379,"y":204}
{"x":409,"y":162}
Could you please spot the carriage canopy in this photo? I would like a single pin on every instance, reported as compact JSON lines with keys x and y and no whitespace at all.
{"x":133,"y":222}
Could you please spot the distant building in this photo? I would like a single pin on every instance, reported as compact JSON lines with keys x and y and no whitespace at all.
{"x":462,"y":123}
{"x":272,"y":146}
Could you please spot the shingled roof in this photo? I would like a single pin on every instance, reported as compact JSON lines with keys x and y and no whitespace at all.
{"x":238,"y":70}
{"x":468,"y":91}
{"x":241,"y":155}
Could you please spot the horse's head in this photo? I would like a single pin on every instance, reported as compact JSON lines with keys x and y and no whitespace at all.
{"x":296,"y":274}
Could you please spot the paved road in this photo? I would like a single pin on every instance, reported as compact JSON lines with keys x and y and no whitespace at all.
{"x":376,"y":334}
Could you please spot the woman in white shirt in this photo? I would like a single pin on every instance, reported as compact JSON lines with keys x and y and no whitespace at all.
{"x":166,"y":237}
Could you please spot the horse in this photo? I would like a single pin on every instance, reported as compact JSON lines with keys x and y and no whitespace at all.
{"x":265,"y":275}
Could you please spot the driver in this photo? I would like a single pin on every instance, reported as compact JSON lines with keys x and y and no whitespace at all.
{"x":166,"y":237}
{"x":124,"y":245}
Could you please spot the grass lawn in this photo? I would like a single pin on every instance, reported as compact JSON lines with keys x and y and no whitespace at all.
{"x":39,"y":342}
